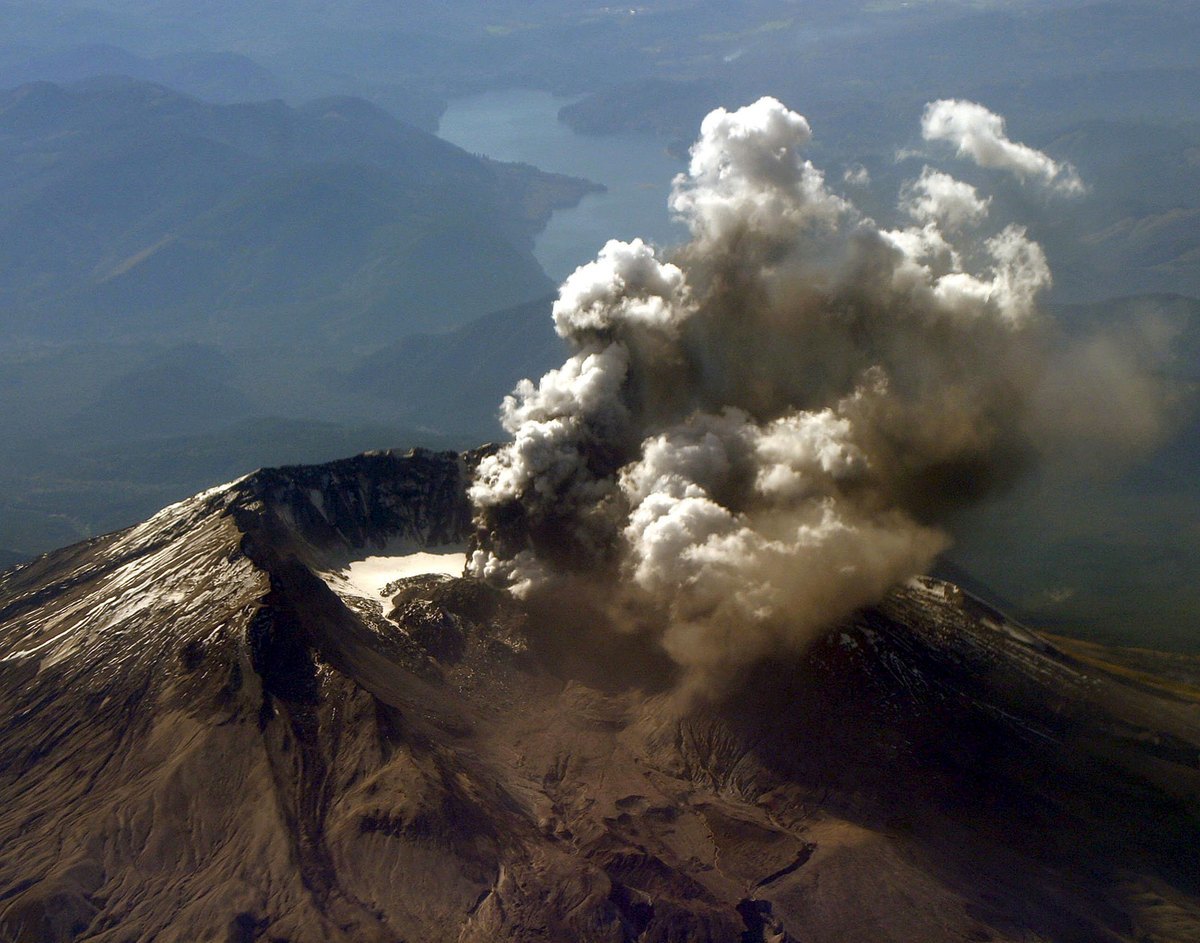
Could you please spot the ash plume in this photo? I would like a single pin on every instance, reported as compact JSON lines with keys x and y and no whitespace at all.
{"x":768,"y":427}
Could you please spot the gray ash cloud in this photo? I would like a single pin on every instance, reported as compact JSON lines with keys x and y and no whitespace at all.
{"x":764,"y":429}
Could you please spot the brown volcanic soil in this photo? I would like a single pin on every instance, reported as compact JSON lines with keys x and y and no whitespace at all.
{"x":203,"y":741}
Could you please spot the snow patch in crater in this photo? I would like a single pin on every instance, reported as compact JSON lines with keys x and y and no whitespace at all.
{"x":367,"y":578}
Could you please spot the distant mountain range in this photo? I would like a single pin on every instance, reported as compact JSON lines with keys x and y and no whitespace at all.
{"x":214,"y":287}
{"x":212,"y":76}
{"x":129,"y":210}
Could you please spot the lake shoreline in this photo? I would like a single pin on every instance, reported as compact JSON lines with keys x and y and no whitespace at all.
{"x":635,"y":169}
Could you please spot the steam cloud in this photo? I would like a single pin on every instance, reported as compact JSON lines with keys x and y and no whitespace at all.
{"x":770,"y":427}
{"x":979,"y":134}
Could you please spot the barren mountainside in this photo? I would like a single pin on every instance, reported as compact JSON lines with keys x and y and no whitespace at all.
{"x":216,"y":727}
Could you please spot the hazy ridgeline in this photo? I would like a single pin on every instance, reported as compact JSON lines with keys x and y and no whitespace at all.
{"x":251,"y":251}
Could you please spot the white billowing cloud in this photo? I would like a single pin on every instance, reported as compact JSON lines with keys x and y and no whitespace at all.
{"x":979,"y":134}
{"x":625,"y":283}
{"x":1019,"y":272}
{"x":856,"y":175}
{"x":747,"y":175}
{"x":798,"y":450}
{"x":936,"y":197}
{"x":769,"y":426}
{"x":689,"y":461}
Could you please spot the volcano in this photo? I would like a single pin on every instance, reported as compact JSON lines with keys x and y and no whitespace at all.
{"x":271,"y":713}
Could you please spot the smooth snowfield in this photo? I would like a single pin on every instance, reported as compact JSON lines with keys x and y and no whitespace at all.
{"x":368,"y":577}
{"x":371,"y":575}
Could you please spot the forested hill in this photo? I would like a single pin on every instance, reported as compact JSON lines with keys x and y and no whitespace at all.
{"x":183,"y":285}
{"x":130,"y":210}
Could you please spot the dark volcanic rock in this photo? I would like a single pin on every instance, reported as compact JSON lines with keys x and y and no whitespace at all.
{"x":213,"y":733}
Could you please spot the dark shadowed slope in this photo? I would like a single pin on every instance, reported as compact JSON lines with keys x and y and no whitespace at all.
{"x":211,"y":734}
{"x":486,"y":359}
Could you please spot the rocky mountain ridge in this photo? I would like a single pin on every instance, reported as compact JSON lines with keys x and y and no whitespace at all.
{"x":214,"y":733}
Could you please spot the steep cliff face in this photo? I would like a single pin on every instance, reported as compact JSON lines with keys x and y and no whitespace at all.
{"x":248,"y":719}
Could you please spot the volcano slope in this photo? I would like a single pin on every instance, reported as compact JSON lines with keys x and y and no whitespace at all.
{"x":212,"y":732}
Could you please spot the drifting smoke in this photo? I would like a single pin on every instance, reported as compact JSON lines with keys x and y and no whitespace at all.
{"x":979,"y":134}
{"x":769,"y":428}
{"x":857,"y":175}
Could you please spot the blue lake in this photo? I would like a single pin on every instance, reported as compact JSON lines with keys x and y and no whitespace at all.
{"x":523,"y":125}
